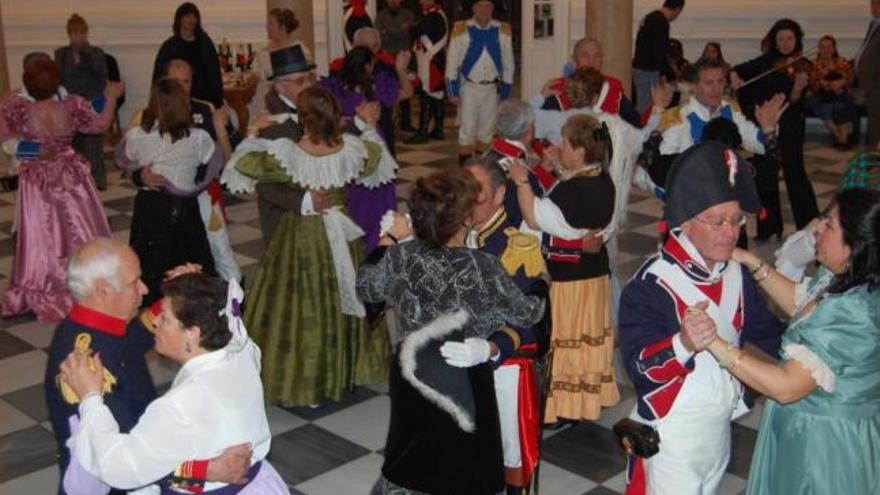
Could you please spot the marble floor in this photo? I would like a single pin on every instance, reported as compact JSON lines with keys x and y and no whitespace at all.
{"x":336,"y":449}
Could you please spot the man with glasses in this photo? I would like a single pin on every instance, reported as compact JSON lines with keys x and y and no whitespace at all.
{"x":681,"y":127}
{"x":670,"y":312}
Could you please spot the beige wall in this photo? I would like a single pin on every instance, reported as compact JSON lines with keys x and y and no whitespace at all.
{"x":4,"y":70}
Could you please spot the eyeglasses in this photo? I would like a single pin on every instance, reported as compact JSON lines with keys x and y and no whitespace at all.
{"x":717,"y":223}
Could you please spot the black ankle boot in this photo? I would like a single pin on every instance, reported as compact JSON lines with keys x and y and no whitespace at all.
{"x":405,"y":110}
{"x":439,"y":111}
{"x":425,"y":111}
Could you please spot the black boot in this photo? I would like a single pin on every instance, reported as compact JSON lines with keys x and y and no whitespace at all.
{"x":425,"y":111}
{"x":405,"y":110}
{"x":439,"y":111}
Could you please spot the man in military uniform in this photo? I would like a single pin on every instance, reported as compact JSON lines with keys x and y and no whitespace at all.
{"x":516,"y":377}
{"x":104,"y":280}
{"x":430,"y":35}
{"x":479,"y":70}
{"x":681,"y":127}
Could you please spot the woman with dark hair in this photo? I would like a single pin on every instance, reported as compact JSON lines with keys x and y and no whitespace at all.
{"x":712,"y":51}
{"x":303,"y":309}
{"x":57,"y":208}
{"x":191,"y":43}
{"x":444,"y":433}
{"x":215,"y":401}
{"x":354,"y":86}
{"x":792,"y":79}
{"x":820,"y":432}
{"x":829,"y":98}
{"x":166,"y":227}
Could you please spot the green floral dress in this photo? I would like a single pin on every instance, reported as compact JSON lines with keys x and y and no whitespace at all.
{"x":829,"y":441}
{"x":315,"y":347}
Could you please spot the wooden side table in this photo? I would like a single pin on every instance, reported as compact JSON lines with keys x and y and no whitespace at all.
{"x":238,"y":91}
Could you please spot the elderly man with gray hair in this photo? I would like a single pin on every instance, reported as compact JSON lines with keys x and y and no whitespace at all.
{"x":513,"y":140}
{"x":104,"y":278}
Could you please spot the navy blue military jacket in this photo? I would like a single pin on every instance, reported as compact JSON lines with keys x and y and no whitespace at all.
{"x":493,"y":239}
{"x":122,"y":347}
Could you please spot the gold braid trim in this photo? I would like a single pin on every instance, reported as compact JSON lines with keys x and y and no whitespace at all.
{"x":577,"y":387}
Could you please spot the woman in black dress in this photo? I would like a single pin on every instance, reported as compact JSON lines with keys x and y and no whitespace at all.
{"x":191,"y":43}
{"x":444,"y":436}
{"x":785,"y":43}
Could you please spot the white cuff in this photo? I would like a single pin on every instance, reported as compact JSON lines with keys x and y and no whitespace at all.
{"x":550,"y":219}
{"x":681,"y":353}
{"x":360,"y":123}
{"x":825,"y":378}
{"x":307,"y":208}
{"x":90,"y":403}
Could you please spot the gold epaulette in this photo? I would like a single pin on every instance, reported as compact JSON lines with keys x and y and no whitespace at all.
{"x":459,"y":28}
{"x":670,"y":118}
{"x":734,"y":105}
{"x":204,"y":102}
{"x":137,"y":118}
{"x":83,"y":344}
{"x":523,"y":250}
{"x":148,"y":315}
{"x":506,"y":29}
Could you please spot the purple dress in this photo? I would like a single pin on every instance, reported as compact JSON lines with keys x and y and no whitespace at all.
{"x":58,"y":208}
{"x":366,"y":206}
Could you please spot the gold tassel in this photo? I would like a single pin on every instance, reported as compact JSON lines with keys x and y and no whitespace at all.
{"x":83,"y":344}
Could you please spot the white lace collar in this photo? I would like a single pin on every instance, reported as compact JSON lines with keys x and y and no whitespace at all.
{"x":320,"y":172}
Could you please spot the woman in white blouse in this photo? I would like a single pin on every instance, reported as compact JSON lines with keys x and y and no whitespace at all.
{"x":215,"y":401}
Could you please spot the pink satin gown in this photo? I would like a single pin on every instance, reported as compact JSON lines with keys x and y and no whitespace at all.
{"x":57,"y":209}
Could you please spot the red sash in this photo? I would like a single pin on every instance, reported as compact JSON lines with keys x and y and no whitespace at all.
{"x":528,"y":413}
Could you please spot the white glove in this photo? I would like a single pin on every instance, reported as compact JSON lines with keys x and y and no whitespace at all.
{"x":796,"y":253}
{"x":471,"y":352}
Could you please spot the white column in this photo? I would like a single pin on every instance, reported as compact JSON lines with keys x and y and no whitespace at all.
{"x":611,"y":22}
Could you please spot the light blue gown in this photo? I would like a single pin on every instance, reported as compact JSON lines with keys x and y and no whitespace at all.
{"x":827,"y":442}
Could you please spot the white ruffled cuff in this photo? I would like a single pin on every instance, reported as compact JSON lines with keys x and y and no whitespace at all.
{"x":820,"y":371}
{"x":234,"y":180}
{"x":386,"y":170}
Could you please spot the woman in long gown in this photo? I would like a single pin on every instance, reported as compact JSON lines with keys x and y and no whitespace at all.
{"x":582,"y":379}
{"x":444,"y":435}
{"x":303,"y":310}
{"x":58,"y":208}
{"x":166,"y":227}
{"x":820,"y":432}
{"x":358,"y":83}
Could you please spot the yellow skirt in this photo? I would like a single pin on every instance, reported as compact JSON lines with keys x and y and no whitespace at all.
{"x":581,"y":349}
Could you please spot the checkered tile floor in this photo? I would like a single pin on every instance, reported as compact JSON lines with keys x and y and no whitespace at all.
{"x":336,"y":448}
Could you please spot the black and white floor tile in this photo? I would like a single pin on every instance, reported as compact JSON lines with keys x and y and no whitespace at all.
{"x":336,"y":449}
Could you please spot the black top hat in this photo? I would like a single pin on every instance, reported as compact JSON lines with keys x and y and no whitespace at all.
{"x":289,"y":60}
{"x":705,"y":175}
